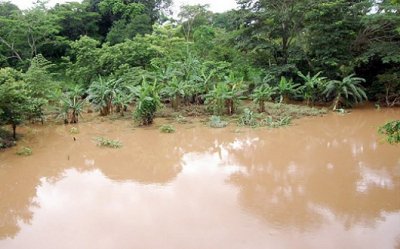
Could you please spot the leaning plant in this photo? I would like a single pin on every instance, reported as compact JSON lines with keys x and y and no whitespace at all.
{"x":346,"y":91}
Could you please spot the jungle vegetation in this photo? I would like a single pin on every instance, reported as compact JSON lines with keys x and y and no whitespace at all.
{"x":132,"y":57}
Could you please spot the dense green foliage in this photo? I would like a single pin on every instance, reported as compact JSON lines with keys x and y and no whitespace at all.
{"x":392,"y":131}
{"x":102,"y":53}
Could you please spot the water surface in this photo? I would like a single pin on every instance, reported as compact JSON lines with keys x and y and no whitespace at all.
{"x":326,"y":182}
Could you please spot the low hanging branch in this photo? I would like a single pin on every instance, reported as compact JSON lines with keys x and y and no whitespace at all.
{"x":11,"y":47}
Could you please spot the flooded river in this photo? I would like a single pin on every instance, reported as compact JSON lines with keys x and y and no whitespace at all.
{"x":325,"y":182}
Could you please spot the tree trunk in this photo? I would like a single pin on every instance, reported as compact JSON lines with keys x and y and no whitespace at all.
{"x":175,"y":102}
{"x":229,"y":106}
{"x":261,"y":107}
{"x":336,"y":102}
{"x":14,"y":128}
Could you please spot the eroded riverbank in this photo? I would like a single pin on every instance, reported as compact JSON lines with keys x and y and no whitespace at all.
{"x":325,"y":182}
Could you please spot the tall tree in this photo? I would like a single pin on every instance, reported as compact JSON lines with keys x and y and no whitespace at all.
{"x":271,"y":27}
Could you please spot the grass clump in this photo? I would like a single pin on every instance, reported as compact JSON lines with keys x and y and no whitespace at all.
{"x":109,"y":143}
{"x":24,"y":151}
{"x":279,"y":122}
{"x":217,"y":122}
{"x":392,"y":131}
{"x":167,"y":128}
{"x":279,"y":111}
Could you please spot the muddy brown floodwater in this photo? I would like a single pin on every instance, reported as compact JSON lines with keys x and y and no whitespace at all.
{"x":325,"y":182}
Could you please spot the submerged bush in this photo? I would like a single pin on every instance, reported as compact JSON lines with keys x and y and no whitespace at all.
{"x":392,"y":131}
{"x":24,"y":151}
{"x":216,"y":122}
{"x":109,"y":143}
{"x":167,"y":128}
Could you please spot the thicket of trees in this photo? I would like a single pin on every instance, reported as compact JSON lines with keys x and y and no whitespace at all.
{"x":114,"y":53}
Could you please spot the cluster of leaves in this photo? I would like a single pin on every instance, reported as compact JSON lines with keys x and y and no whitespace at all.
{"x":392,"y":131}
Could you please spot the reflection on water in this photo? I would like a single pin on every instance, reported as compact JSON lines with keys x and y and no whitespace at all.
{"x":324,"y":183}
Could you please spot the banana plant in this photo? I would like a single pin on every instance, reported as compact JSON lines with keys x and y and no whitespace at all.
{"x":175,"y":91}
{"x":311,"y":87}
{"x":286,"y":88}
{"x":225,"y":95}
{"x":102,"y":93}
{"x":148,"y":103}
{"x":262,"y":94}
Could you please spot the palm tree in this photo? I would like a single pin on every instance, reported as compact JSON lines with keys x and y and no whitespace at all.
{"x":262,"y":94}
{"x":347,"y":90}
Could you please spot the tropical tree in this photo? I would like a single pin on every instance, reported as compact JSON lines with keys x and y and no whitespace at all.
{"x":286,"y":88}
{"x":312,"y":86}
{"x":14,"y":99}
{"x":346,"y":91}
{"x":262,"y":94}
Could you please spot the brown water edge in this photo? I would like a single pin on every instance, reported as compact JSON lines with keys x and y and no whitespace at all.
{"x":326,"y":182}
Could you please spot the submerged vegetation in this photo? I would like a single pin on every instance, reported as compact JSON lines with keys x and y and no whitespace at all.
{"x":167,"y":128}
{"x":24,"y":151}
{"x":109,"y":143}
{"x":132,"y":57}
{"x":392,"y":131}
